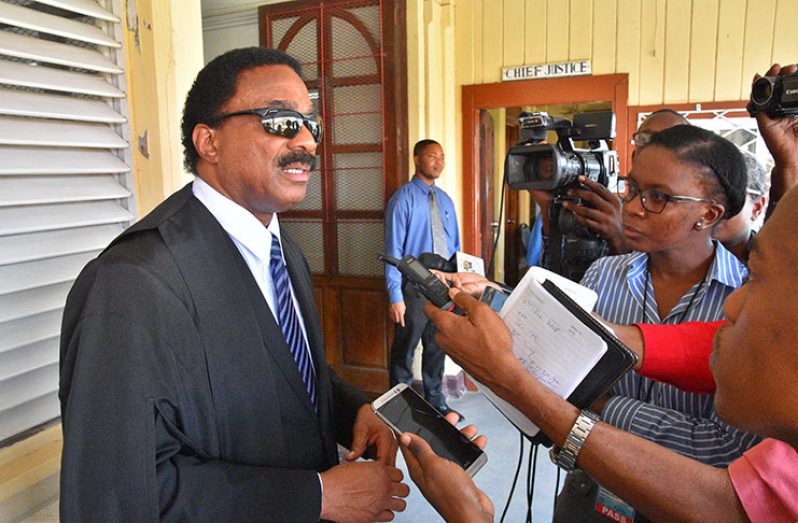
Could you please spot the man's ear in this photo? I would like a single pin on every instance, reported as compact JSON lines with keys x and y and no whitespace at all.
{"x":760,"y":205}
{"x":204,"y":139}
{"x":713,"y":213}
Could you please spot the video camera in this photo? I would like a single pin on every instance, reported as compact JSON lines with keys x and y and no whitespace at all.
{"x":533,"y":165}
{"x":775,"y":95}
{"x":541,"y":166}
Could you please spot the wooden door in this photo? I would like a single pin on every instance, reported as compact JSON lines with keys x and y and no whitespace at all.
{"x":352,"y":52}
{"x":487,"y":158}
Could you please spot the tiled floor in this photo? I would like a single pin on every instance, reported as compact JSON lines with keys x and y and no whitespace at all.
{"x":496,"y":476}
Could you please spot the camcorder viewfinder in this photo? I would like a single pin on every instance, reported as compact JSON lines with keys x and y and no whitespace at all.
{"x":777,"y":96}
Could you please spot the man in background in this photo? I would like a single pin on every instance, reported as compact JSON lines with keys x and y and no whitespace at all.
{"x":419,"y":218}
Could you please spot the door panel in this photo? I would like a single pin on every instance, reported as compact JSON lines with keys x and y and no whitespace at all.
{"x":487,"y":182}
{"x":352,"y":53}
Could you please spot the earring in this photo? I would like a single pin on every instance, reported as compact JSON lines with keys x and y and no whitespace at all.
{"x":698,"y":226}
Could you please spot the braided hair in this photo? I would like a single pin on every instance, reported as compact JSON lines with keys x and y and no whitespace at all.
{"x":719,"y":160}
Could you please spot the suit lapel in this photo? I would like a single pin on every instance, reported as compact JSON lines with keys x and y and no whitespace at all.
{"x":219,"y":299}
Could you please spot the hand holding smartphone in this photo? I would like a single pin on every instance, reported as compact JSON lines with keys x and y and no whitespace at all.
{"x":405,"y":411}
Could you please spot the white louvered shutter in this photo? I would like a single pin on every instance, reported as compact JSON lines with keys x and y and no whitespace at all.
{"x":64,"y":181}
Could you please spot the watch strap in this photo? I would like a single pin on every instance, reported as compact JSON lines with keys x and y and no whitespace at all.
{"x":565,"y":458}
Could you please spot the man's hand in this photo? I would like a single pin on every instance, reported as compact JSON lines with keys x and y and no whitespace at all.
{"x":370,"y":431}
{"x":781,"y":138}
{"x":479,"y":341}
{"x":362,"y":492}
{"x":444,"y":484}
{"x":396,"y":311}
{"x":469,"y":282}
{"x":602,"y":215}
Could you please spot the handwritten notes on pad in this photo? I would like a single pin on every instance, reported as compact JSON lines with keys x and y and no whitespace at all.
{"x":549,"y":341}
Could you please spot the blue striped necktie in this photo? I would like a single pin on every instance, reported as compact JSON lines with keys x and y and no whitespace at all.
{"x":289,"y":321}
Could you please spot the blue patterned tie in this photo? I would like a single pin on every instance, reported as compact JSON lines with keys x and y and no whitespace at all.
{"x":289,"y":321}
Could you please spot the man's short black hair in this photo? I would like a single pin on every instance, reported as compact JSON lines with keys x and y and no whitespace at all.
{"x":216,"y":84}
{"x":720,"y":160}
{"x":423,"y":144}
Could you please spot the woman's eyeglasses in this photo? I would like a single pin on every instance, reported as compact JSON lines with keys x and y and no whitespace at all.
{"x":285,"y":123}
{"x":652,"y":200}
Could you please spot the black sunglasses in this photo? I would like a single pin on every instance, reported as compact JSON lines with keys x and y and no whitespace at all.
{"x":285,"y":123}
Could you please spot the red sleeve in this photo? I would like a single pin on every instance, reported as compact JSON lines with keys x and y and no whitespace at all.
{"x":679,"y":354}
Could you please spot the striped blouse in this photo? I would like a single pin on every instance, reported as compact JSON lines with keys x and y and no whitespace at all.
{"x":682,"y":421}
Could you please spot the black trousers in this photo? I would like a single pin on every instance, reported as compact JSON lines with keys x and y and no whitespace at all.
{"x":417,"y":327}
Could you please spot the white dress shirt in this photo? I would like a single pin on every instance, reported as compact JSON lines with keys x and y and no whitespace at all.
{"x":253,"y":241}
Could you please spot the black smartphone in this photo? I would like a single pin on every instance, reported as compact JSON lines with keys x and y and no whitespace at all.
{"x":494,"y":298}
{"x":405,"y":411}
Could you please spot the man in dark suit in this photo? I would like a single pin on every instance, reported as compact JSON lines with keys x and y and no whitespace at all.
{"x":194,"y":384}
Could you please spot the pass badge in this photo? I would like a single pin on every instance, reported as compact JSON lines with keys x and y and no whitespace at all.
{"x":611,"y":506}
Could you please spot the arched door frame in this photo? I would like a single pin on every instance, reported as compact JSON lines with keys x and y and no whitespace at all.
{"x":612,"y":88}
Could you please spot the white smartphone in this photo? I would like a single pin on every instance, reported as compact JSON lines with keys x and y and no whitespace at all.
{"x":405,"y":411}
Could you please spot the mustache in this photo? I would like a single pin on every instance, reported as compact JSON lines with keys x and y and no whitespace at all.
{"x":298,"y":156}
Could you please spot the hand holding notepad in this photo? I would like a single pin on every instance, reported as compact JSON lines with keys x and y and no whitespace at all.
{"x":557,"y":341}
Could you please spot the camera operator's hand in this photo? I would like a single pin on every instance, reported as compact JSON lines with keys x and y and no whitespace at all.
{"x":602,"y":215}
{"x":480,"y":341}
{"x":781,"y":138}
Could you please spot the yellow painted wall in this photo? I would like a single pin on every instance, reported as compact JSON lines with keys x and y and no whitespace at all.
{"x":433,"y":97}
{"x":163,"y":57}
{"x":673,"y":50}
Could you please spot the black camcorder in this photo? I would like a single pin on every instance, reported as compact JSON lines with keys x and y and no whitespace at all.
{"x":775,"y":95}
{"x":541,"y":166}
{"x":570,"y":248}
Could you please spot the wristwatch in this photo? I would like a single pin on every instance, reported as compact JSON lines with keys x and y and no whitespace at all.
{"x":565,"y":458}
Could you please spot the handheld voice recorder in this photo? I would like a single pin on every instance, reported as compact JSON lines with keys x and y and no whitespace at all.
{"x":430,"y":286}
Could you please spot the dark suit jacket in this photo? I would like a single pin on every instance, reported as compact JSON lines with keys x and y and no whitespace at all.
{"x":179,"y":396}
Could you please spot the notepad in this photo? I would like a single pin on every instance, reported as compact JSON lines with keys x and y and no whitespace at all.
{"x":558,"y":342}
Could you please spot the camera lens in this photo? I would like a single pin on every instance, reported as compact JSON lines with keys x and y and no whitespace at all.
{"x":762,"y":91}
